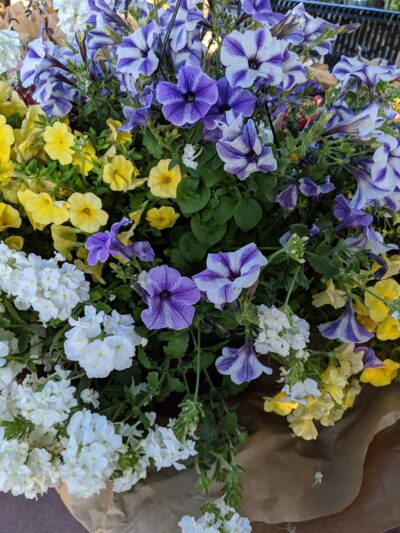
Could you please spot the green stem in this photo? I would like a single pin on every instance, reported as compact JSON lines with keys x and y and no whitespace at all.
{"x":291,"y":287}
{"x":198,"y":360}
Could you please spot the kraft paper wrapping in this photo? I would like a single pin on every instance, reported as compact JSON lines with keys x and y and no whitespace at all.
{"x":279,"y":475}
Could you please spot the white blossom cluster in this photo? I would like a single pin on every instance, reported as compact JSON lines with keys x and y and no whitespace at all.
{"x":280,"y":334}
{"x":301,"y":390}
{"x":72,"y":16}
{"x":10,"y":50}
{"x":102,"y":343}
{"x":8,"y":369}
{"x":41,"y":284}
{"x":226,"y":520}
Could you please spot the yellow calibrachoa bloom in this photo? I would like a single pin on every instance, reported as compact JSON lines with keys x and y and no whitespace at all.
{"x":6,"y":138}
{"x":136,"y":216}
{"x":28,"y":139}
{"x":334,"y":382}
{"x":162,"y":181}
{"x":351,"y":393}
{"x":64,"y":239}
{"x":119,"y":137}
{"x":388,"y":290}
{"x":86,"y":212}
{"x":162,"y":217}
{"x":42,"y":209}
{"x":59,"y":142}
{"x":10,"y":101}
{"x":393,"y":266}
{"x":302,"y":418}
{"x":330,"y":296}
{"x":9,"y":217}
{"x":276,"y":405}
{"x":388,"y":329}
{"x":121,"y":174}
{"x":351,"y":362}
{"x":84,"y":159}
{"x":15,"y":242}
{"x":381,"y":375}
{"x":6,"y":171}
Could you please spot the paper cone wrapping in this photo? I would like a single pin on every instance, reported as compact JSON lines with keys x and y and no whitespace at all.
{"x":279,"y":476}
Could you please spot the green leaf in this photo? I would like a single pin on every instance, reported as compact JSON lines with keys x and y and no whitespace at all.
{"x":192,"y":198}
{"x":208,"y":233}
{"x":207,"y":359}
{"x":247,"y":213}
{"x":229,"y":423}
{"x":324,"y":265}
{"x":152,"y":145}
{"x":224,"y":211}
{"x":153,"y":382}
{"x":143,"y":359}
{"x":191,"y":249}
{"x":175,"y":384}
{"x":177,"y":346}
{"x":211,"y":176}
{"x":123,"y":292}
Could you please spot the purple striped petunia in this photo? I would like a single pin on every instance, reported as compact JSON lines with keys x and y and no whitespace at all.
{"x":293,"y":70}
{"x":170,"y":299}
{"x":385,"y":170}
{"x":369,"y":358}
{"x":349,"y":216}
{"x":190,"y":99}
{"x":241,"y":364}
{"x":261,"y":10}
{"x":350,"y":68}
{"x":252,"y":55}
{"x":228,"y":273}
{"x":346,"y":328}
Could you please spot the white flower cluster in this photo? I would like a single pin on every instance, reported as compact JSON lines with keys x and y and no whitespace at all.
{"x":301,"y":390}
{"x":8,"y":369}
{"x":10,"y":50}
{"x":189,"y":156}
{"x":41,"y":284}
{"x":91,"y":452}
{"x":72,"y":15}
{"x":102,"y":343}
{"x":279,"y":334}
{"x":45,"y":402}
{"x":163,"y":449}
{"x":226,"y":520}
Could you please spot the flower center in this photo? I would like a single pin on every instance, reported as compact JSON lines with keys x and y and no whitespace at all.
{"x":253,"y":64}
{"x":86,"y":210}
{"x":189,"y":97}
{"x":167,"y":179}
{"x":165,"y":294}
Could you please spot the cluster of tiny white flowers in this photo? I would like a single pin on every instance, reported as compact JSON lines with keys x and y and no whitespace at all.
{"x":301,"y":390}
{"x":279,"y":334}
{"x":72,"y":15}
{"x":45,"y":402}
{"x":10,"y":50}
{"x":189,"y":156}
{"x":226,"y":520}
{"x":91,"y":452}
{"x":8,"y":369}
{"x":90,"y":396}
{"x":41,"y":284}
{"x":102,"y":343}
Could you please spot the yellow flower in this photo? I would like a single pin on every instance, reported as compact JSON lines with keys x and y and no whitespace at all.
{"x":393,"y":266}
{"x":136,"y":216}
{"x":388,"y":290}
{"x":119,"y":137}
{"x":388,"y":329}
{"x":15,"y":242}
{"x":334,"y":383}
{"x":278,"y":406}
{"x":86,"y":213}
{"x":121,"y":174}
{"x":28,"y":139}
{"x":64,"y":239}
{"x":59,"y":142}
{"x":302,"y":418}
{"x":10,"y":101}
{"x":381,"y":375}
{"x":84,"y":160}
{"x":93,"y":271}
{"x":42,"y":209}
{"x":162,"y":217}
{"x":351,"y":362}
{"x":330,"y":418}
{"x":6,"y":171}
{"x":162,"y":181}
{"x":6,"y":138}
{"x":351,"y":393}
{"x":330,"y":296}
{"x":9,"y":217}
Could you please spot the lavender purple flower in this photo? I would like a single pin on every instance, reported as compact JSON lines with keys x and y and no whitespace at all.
{"x":241,"y":364}
{"x":170,"y":299}
{"x":308,"y":187}
{"x":346,"y":328}
{"x":385,"y":170}
{"x":261,"y":10}
{"x":349,"y":216}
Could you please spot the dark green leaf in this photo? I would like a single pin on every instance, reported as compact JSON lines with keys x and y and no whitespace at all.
{"x":323,"y":265}
{"x":177,"y":346}
{"x":224,"y":211}
{"x":191,"y":200}
{"x":175,"y":384}
{"x":208,"y":233}
{"x":247,"y":213}
{"x":191,"y":249}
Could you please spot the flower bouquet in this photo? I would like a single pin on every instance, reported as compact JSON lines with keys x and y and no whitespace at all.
{"x":183,"y":211}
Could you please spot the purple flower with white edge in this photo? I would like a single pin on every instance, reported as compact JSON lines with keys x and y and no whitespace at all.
{"x":137,"y":53}
{"x":187,"y":20}
{"x":135,"y":117}
{"x":252,"y":55}
{"x":241,"y":364}
{"x":367,"y":189}
{"x":346,"y":328}
{"x":312,"y":29}
{"x":103,"y":244}
{"x":308,"y":187}
{"x":293,"y":70}
{"x":241,"y":150}
{"x":363,"y":125}
{"x":191,"y":54}
{"x":228,"y":273}
{"x":350,"y":68}
{"x":37,"y":50}
{"x":369,"y":240}
{"x":170,"y":299}
{"x":369,"y":358}
{"x":349,"y":216}
{"x":385,"y":170}
{"x":261,"y":10}
{"x":287,"y":198}
{"x":238,"y":101}
{"x":190,"y":99}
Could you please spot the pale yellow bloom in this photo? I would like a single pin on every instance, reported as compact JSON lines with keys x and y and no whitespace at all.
{"x":277,"y":405}
{"x":15,"y":242}
{"x":121,"y":174}
{"x":86,"y":212}
{"x":119,"y":137}
{"x":382,"y":375}
{"x":9,"y":217}
{"x":388,"y":290}
{"x":28,"y":139}
{"x":330,"y":296}
{"x":59,"y":142}
{"x":84,"y":159}
{"x":42,"y":209}
{"x":93,"y":271}
{"x":351,"y":362}
{"x":64,"y":239}
{"x":334,"y":382}
{"x":10,"y":101}
{"x":162,"y":217}
{"x":163,"y":182}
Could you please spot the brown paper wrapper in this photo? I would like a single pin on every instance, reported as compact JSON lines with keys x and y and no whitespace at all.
{"x":320,"y":73}
{"x":279,"y":476}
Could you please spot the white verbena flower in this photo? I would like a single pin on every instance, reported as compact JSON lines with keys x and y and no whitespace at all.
{"x":189,"y":156}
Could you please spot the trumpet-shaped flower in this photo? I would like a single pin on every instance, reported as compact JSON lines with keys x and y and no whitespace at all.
{"x":117,"y":136}
{"x":330,"y":296}
{"x":163,"y":181}
{"x":228,"y":273}
{"x":277,"y":404}
{"x":241,"y":364}
{"x":382,"y":375}
{"x":170,"y":299}
{"x":334,"y":382}
{"x":346,"y":328}
{"x":121,"y":174}
{"x":252,"y":55}
{"x":59,"y":142}
{"x":86,"y":213}
{"x":6,"y":138}
{"x":84,"y":159}
{"x":162,"y":217}
{"x":42,"y":209}
{"x":261,"y":10}
{"x":385,"y":170}
{"x":388,"y":329}
{"x":190,"y":99}
{"x":9,"y":217}
{"x":388,"y":290}
{"x":349,"y":216}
